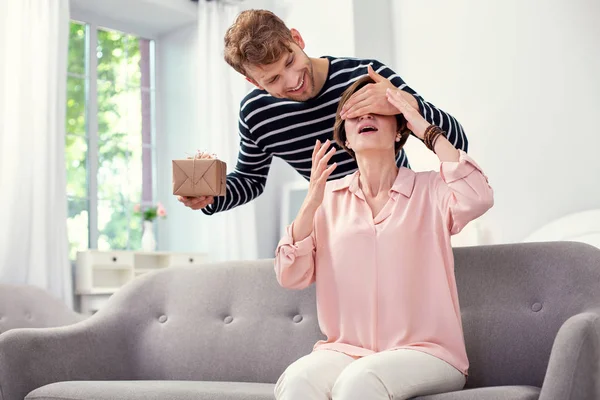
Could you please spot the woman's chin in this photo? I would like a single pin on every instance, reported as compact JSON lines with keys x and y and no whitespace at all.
{"x":373,"y":152}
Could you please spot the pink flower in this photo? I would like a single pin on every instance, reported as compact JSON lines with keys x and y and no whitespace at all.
{"x":161,"y":211}
{"x":137,"y":208}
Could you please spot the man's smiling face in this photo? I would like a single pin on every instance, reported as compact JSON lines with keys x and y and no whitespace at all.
{"x":290,"y":77}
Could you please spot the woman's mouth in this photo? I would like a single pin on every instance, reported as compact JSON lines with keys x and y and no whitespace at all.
{"x":367,"y":129}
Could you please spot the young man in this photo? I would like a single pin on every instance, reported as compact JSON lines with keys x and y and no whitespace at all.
{"x":295,"y":103}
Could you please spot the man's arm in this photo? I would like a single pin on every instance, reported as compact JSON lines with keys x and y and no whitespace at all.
{"x":373,"y":100}
{"x":247,"y":181}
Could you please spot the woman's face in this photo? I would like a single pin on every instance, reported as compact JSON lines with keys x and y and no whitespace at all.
{"x":371,"y":132}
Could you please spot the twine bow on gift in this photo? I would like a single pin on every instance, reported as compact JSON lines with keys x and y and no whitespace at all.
{"x":200,"y":155}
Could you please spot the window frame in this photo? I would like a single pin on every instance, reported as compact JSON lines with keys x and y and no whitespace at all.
{"x":93,"y":23}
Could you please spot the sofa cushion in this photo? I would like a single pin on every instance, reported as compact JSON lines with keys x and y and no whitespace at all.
{"x":183,"y":390}
{"x":153,"y":390}
{"x":489,"y":393}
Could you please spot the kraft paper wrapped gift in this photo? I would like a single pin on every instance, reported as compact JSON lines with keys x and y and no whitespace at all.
{"x":193,"y":177}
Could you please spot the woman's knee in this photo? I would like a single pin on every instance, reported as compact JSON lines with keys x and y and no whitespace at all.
{"x":359,"y":382}
{"x":294,"y":379}
{"x":311,"y":377}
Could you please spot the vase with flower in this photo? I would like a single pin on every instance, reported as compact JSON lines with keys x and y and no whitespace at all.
{"x":149,"y":214}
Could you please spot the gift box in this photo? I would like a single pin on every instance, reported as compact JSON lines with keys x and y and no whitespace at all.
{"x":199,"y":176}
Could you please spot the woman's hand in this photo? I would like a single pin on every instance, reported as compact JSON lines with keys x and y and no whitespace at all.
{"x":417,"y":124}
{"x":415,"y":121}
{"x":320,"y":171}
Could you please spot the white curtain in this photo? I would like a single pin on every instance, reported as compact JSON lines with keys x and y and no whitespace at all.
{"x":231,"y":234}
{"x":33,"y":205}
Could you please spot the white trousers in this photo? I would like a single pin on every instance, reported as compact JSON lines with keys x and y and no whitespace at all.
{"x":397,"y":374}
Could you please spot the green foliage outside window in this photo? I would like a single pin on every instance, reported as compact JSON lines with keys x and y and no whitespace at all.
{"x":119,"y":119}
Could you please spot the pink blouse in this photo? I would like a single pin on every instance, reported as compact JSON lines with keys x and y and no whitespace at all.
{"x":387,"y":282}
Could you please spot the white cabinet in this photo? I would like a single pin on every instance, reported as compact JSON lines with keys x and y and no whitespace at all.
{"x":99,"y":274}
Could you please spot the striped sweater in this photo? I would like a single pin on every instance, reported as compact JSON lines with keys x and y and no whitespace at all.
{"x":288,"y":129}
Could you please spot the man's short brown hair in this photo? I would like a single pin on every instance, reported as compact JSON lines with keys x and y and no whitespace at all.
{"x":339,"y":129}
{"x":257,"y":37}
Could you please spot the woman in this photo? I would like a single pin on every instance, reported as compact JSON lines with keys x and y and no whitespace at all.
{"x":377,"y":244}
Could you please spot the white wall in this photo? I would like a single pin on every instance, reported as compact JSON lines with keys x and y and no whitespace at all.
{"x":326,"y":26}
{"x":177,"y":121}
{"x":373,"y":30}
{"x":522,"y":77}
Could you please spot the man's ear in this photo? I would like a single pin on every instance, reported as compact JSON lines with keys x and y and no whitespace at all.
{"x":252,"y":81}
{"x":297,"y":38}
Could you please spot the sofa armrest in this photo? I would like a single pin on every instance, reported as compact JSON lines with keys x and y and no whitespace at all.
{"x":95,"y":349}
{"x":574,"y":368}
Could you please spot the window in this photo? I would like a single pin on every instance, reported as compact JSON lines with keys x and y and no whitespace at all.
{"x":110,"y":149}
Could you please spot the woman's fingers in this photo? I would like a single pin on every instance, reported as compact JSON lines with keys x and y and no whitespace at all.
{"x":328,"y":171}
{"x":398,"y":101}
{"x":328,"y":156}
{"x":323,"y":149}
{"x":321,"y":157}
{"x":316,"y":150}
{"x":325,"y":159}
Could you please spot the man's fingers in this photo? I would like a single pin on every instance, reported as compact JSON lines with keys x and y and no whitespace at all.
{"x":374,"y":75}
{"x":191,"y":201}
{"x":196,"y":200}
{"x":202,"y":204}
{"x":361,"y":109}
{"x":355,"y":98}
{"x":362,"y":100}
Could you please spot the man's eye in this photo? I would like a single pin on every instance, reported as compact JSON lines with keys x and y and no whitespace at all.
{"x":274,"y":79}
{"x":290,"y":62}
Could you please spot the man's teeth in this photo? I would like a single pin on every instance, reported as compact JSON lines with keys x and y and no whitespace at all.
{"x":299,"y":86}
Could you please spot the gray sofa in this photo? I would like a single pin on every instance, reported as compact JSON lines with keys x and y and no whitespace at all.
{"x":226,"y":331}
{"x":26,"y":306}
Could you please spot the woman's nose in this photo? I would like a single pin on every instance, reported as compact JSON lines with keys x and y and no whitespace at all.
{"x":366,"y":116}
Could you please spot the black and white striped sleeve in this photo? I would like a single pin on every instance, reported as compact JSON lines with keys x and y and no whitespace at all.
{"x":434,"y":115}
{"x":247,"y":181}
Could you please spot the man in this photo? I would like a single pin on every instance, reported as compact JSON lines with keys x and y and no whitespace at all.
{"x":295,"y":102}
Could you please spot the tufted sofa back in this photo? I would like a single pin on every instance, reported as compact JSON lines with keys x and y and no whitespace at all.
{"x":24,"y":306}
{"x":218,"y":322}
{"x":514,"y":298}
{"x":232,"y":321}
